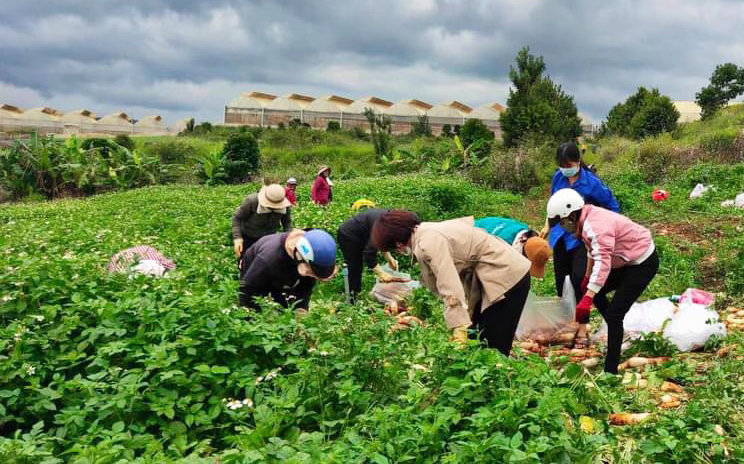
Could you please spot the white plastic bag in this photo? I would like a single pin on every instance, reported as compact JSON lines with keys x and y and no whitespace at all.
{"x":544,"y":316}
{"x":149,"y":267}
{"x":692,"y":326}
{"x":393,"y":291}
{"x":699,"y":190}
{"x":739,"y":202}
{"x":645,"y":317}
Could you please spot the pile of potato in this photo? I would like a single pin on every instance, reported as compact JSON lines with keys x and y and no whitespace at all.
{"x":734,"y":318}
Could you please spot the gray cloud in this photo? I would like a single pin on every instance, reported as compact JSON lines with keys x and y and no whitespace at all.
{"x":189,"y":57}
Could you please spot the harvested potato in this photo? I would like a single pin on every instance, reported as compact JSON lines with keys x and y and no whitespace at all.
{"x":627,"y":418}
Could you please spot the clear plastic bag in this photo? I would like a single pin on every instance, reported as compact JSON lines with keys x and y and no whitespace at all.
{"x":393,"y":291}
{"x":645,"y":317}
{"x":544,"y":317}
{"x":692,"y":326}
{"x":149,"y":267}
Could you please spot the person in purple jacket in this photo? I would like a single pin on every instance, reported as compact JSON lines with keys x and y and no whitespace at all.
{"x":569,"y":257}
{"x":622,"y":258}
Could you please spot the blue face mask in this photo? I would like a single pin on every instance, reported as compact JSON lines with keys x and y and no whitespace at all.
{"x":570,"y":172}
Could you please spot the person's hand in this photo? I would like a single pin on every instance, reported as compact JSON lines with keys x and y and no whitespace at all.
{"x":545,"y":230}
{"x":392,"y":262}
{"x":583,"y":309}
{"x":384,"y":277}
{"x":238,"y":247}
{"x":460,"y":335}
{"x":584,"y":284}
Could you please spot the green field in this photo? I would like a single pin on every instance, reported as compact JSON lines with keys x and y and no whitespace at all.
{"x":110,"y":369}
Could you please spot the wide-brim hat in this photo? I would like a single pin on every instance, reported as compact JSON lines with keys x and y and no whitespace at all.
{"x":273,"y":196}
{"x":322,"y":169}
{"x":538,"y":252}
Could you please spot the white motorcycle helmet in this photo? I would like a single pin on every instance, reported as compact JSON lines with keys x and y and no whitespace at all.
{"x":562,"y":204}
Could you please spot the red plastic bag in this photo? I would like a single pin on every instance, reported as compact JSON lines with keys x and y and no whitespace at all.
{"x":659,"y":195}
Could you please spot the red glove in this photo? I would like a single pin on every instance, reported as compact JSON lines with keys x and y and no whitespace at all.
{"x":584,"y":284}
{"x":583,"y":309}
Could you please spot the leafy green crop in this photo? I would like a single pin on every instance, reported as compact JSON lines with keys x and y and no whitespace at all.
{"x":99,"y":368}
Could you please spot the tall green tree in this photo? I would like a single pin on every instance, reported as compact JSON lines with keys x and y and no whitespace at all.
{"x":726,"y":83}
{"x":643,"y":114}
{"x":536,"y":105}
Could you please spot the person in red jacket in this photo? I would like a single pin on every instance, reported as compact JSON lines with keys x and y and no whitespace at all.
{"x":289,"y":190}
{"x":321,"y":192}
{"x":622,"y":258}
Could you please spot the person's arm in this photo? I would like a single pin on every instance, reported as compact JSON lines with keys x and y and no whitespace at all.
{"x":370,"y":254}
{"x":287,"y":220}
{"x":447,"y":284}
{"x":255,"y":280}
{"x":600,"y":245}
{"x":603,"y":197}
{"x":245,"y":211}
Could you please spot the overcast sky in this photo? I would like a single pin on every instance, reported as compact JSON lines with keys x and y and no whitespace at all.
{"x":183,"y":58}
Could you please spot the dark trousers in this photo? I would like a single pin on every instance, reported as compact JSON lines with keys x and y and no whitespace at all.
{"x":353,"y":253}
{"x":569,"y":263}
{"x":498,"y":323}
{"x":628,"y":282}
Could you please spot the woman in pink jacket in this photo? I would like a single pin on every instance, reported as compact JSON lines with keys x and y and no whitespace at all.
{"x":321,"y":192}
{"x":622,"y":257}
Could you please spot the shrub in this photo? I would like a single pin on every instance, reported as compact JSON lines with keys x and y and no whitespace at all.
{"x":476,"y":137}
{"x":380,"y":126}
{"x":447,"y":130}
{"x":517,"y":169}
{"x":536,"y":105}
{"x":123,"y":140}
{"x":333,"y":126}
{"x":240,"y":157}
{"x":172,"y":151}
{"x":104,"y":146}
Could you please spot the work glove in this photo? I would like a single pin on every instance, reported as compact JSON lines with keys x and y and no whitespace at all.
{"x":392,"y":262}
{"x":460,"y":335}
{"x":584,"y":284}
{"x":238,"y":247}
{"x":583,"y":309}
{"x":384,"y":277}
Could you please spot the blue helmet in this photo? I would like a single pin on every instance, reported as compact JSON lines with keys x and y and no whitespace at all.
{"x":318,"y":249}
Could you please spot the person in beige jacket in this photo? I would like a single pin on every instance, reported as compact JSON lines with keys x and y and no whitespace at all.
{"x":481,"y":279}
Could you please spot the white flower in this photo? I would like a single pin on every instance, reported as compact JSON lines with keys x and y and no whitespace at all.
{"x":248,"y":402}
{"x":312,"y":349}
{"x":234,"y":404}
{"x":225,"y":310}
{"x":6,"y":298}
{"x":30,"y":370}
{"x":37,"y":317}
{"x":68,"y":256}
{"x":19,"y":334}
{"x":323,"y":353}
{"x":259,"y":380}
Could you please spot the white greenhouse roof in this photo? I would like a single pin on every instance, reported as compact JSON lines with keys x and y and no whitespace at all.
{"x":82,"y":116}
{"x":116,"y":119}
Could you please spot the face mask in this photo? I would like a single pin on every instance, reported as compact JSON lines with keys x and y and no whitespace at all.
{"x":568,"y":226}
{"x":570,"y":172}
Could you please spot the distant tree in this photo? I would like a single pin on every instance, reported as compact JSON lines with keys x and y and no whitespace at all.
{"x":536,"y":105}
{"x":447,"y":130}
{"x":421,"y":127}
{"x":295,"y":123}
{"x":643,"y":114}
{"x":380,"y":126}
{"x":726,"y":83}
{"x":456,"y":129}
{"x":333,"y":126}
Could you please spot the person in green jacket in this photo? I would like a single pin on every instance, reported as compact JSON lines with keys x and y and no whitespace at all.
{"x":520,"y":237}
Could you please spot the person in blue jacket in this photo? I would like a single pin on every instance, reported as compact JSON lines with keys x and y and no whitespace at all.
{"x":569,"y":253}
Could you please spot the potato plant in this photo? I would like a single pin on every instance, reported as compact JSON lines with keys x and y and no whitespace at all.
{"x":99,"y":368}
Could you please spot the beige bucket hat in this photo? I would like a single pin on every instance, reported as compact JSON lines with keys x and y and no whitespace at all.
{"x":272,"y":196}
